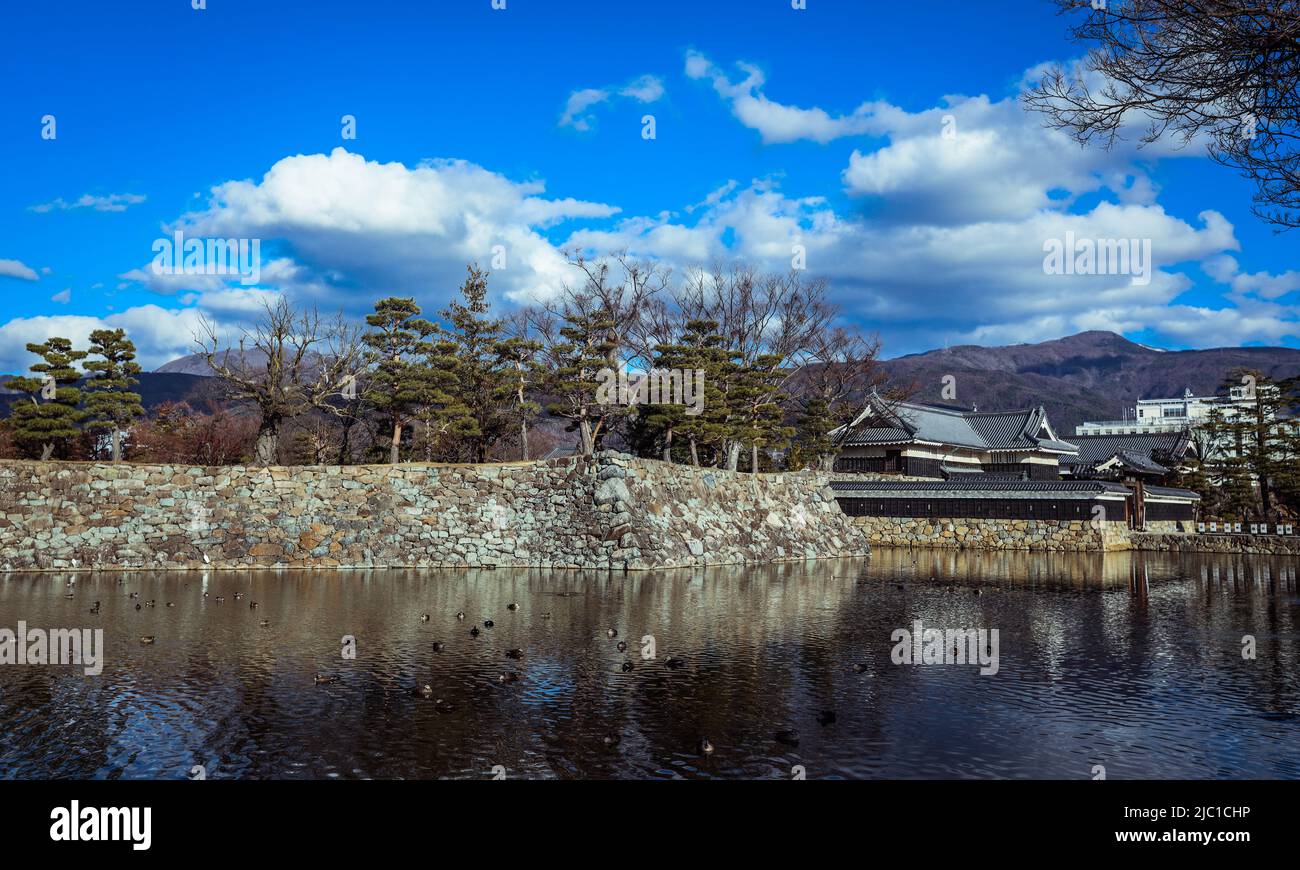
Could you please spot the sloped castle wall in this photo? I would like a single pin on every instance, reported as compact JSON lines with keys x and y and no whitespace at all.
{"x":994,"y":534}
{"x":605,"y":511}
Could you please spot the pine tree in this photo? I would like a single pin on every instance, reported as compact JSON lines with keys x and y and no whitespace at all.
{"x":1227,"y":466}
{"x":757,"y":417}
{"x":577,"y":359}
{"x":47,"y":425}
{"x":654,"y":426}
{"x":701,"y":349}
{"x":111,"y":405}
{"x":401,"y":383}
{"x":484,"y":382}
{"x":446,"y":420}
{"x":519,"y":355}
{"x":1249,"y":440}
{"x":812,"y":442}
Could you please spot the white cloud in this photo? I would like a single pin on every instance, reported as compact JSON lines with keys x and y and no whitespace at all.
{"x":17,"y":269}
{"x":974,"y":159}
{"x":109,"y":202}
{"x":63,"y":297}
{"x":353,"y":230}
{"x":160,"y":334}
{"x":577,"y":114}
{"x":921,"y":284}
{"x":1262,"y":285}
{"x":775,"y":122}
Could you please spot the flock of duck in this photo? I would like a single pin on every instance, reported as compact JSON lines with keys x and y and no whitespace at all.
{"x":704,"y":746}
{"x":147,"y":639}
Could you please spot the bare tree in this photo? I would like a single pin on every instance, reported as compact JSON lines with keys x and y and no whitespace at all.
{"x":594,"y":325}
{"x":774,"y":322}
{"x":308,"y":364}
{"x":1226,"y":72}
{"x":831,"y":389}
{"x":625,"y":289}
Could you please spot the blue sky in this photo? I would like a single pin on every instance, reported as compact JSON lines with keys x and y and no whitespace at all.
{"x":774,"y":127}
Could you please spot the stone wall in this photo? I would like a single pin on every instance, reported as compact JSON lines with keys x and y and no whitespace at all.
{"x":988,"y":534}
{"x":583,"y":512}
{"x":1261,"y":545}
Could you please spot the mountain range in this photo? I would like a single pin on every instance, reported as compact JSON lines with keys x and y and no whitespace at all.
{"x":1090,"y":376}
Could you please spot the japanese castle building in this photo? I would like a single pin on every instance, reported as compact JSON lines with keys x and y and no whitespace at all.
{"x":938,"y":442}
{"x":909,"y":460}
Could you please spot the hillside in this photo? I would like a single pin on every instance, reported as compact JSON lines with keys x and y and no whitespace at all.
{"x":1089,"y":376}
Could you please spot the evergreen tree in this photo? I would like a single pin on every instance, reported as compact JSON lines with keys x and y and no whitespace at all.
{"x":49,"y":423}
{"x":577,"y":359}
{"x":758,"y":416}
{"x":519,"y":356}
{"x":485,"y":383}
{"x":1249,"y":443}
{"x":111,"y":404}
{"x":401,"y":385}
{"x":447,"y":423}
{"x":701,"y":349}
{"x":653,"y":428}
{"x":812,"y":442}
{"x":1227,"y":466}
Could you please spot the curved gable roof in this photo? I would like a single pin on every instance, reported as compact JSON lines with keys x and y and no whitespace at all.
{"x":979,"y":430}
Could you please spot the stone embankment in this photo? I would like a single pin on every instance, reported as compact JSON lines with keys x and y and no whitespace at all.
{"x":604,"y":511}
{"x":990,"y":534}
{"x":1256,"y":545}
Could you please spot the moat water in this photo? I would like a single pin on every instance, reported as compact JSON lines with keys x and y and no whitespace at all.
{"x":1131,"y":662}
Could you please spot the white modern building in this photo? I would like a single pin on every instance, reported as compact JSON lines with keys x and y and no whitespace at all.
{"x":1152,"y":416}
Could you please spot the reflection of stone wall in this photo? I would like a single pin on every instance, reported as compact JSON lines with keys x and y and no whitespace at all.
{"x":1247,"y":544}
{"x":989,"y":534}
{"x":596,"y":512}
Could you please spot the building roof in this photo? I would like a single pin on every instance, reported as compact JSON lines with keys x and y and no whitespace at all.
{"x":978,"y":487}
{"x":1172,"y":492}
{"x":910,"y":422}
{"x":1094,"y":449}
{"x":983,"y":488}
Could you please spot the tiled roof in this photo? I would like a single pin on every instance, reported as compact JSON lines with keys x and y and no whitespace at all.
{"x":1001,"y":431}
{"x":982,"y":487}
{"x":1172,"y":492}
{"x":974,"y":487}
{"x":906,"y":422}
{"x":878,"y":435}
{"x":1140,"y":462}
{"x":1099,"y":448}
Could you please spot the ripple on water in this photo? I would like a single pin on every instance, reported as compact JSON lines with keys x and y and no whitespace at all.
{"x":1148,"y":680}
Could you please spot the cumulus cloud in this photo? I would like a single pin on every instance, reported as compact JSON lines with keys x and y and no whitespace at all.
{"x":1261,"y":285}
{"x":17,"y":269}
{"x":63,"y":297}
{"x":109,"y":202}
{"x":924,"y":283}
{"x":351,"y":230}
{"x":974,"y":159}
{"x":160,"y":334}
{"x":577,"y":110}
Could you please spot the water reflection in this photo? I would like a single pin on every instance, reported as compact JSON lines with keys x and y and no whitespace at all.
{"x":1128,"y":660}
